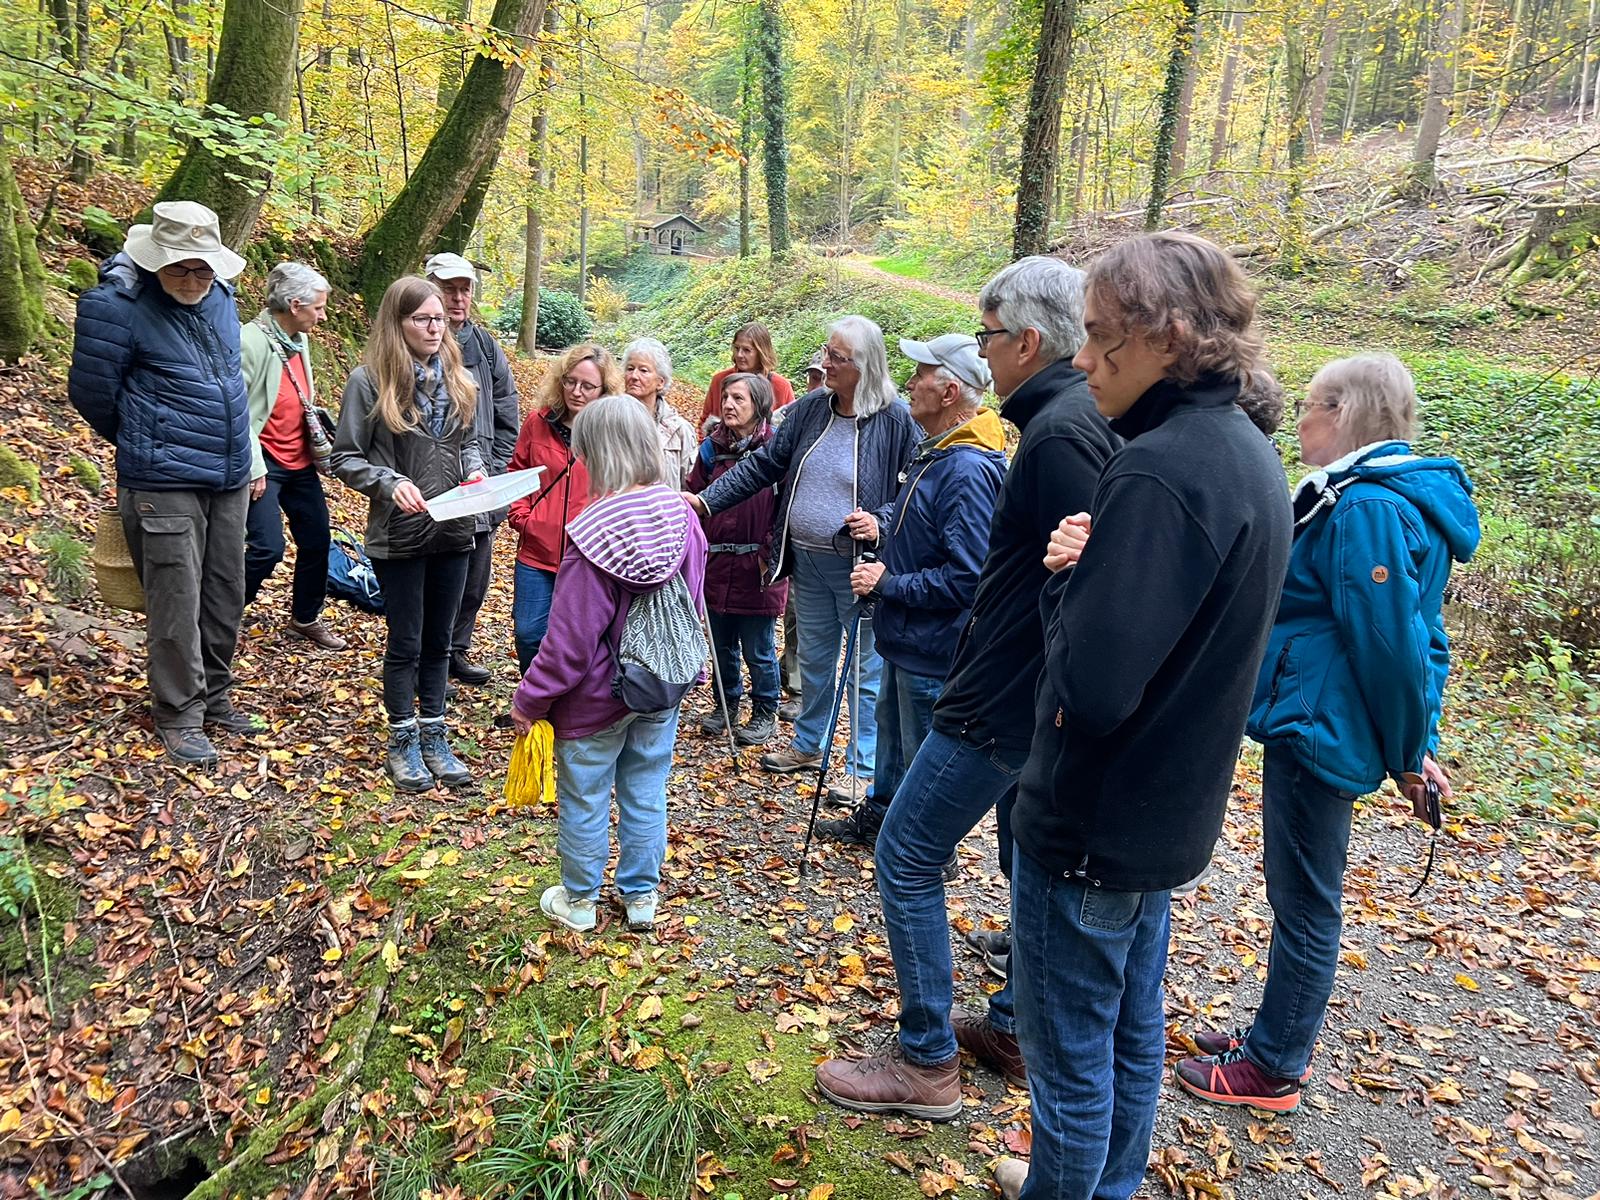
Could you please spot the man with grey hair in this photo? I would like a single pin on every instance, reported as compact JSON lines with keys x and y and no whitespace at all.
{"x":933,"y":551}
{"x":289,"y":446}
{"x":1032,"y":325}
{"x":498,"y":421}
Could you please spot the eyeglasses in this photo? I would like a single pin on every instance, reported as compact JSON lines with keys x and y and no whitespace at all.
{"x":1301,"y":407}
{"x":983,"y":336}
{"x":422,"y":322}
{"x":582,"y":386}
{"x":829,"y":354}
{"x":177,"y":271}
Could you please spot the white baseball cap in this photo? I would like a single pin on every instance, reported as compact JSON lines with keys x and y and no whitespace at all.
{"x":956,"y":353}
{"x":449,"y":266}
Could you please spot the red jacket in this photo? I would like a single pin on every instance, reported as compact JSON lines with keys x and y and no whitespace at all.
{"x":563,"y":491}
{"x":736,"y":579}
{"x":782,"y":394}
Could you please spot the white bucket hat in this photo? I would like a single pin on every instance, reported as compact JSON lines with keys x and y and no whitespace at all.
{"x":179,"y":230}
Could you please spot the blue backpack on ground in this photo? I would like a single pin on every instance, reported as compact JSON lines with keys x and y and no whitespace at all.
{"x":350,"y":574}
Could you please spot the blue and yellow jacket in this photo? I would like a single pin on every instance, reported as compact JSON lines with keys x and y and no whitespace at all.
{"x":1355,"y":668}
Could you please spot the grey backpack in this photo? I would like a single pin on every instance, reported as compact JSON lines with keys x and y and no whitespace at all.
{"x":662,"y":651}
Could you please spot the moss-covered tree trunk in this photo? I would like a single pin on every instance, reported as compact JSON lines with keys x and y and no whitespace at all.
{"x":774,"y":118}
{"x":538,"y":191}
{"x":1436,"y":106}
{"x":458,"y":229}
{"x":466,"y":140}
{"x":254,"y":76}
{"x":1178,"y":59}
{"x":1041,"y":135}
{"x":21,"y":272}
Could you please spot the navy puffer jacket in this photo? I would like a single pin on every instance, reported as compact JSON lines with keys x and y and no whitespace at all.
{"x":162,"y":381}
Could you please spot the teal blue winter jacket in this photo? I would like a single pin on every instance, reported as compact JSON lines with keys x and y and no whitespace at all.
{"x":1355,"y":668}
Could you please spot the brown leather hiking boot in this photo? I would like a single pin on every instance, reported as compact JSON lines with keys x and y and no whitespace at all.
{"x":890,"y":1083}
{"x":318,"y":633}
{"x":994,"y":1048}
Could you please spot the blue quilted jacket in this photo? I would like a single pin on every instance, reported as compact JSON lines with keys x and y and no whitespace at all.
{"x":161,"y":380}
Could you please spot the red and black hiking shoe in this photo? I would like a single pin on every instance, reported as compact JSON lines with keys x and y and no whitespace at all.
{"x":1214,"y":1042}
{"x":1231,"y":1078}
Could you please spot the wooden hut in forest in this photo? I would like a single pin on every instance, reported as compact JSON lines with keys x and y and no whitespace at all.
{"x":677,"y":234}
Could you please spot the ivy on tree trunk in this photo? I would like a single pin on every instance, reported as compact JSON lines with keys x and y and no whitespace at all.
{"x":1041,"y":135}
{"x":254,"y":76}
{"x":1171,"y":111}
{"x":465,"y":141}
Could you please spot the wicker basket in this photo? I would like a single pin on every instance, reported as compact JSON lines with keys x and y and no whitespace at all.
{"x":114,"y":571}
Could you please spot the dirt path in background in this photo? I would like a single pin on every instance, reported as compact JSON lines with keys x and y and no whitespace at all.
{"x":862,"y":268}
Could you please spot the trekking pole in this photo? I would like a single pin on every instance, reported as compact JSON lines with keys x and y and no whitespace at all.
{"x":827,"y":745}
{"x":722,"y":692}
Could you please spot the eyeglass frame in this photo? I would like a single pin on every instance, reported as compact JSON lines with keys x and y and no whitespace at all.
{"x":179,"y":271}
{"x":830,"y":355}
{"x":418,"y":321}
{"x":982,"y":335}
{"x":582,"y":386}
{"x":1303,"y":405}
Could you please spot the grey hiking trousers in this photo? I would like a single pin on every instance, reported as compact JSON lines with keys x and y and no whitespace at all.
{"x":189,"y":551}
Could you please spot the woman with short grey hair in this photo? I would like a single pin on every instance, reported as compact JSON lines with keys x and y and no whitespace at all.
{"x":647,"y":374}
{"x":836,"y":462}
{"x":1349,"y":695}
{"x":289,"y":447}
{"x":636,"y":537}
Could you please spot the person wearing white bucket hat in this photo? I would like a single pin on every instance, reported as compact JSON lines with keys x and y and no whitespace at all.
{"x":156,"y":371}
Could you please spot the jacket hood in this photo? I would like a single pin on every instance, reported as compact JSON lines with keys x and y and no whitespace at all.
{"x":119,"y":271}
{"x":638,"y":538}
{"x":1437,"y":487}
{"x":984,"y":431}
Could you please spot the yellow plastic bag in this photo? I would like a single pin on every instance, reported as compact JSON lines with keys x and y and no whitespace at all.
{"x":531,"y":777}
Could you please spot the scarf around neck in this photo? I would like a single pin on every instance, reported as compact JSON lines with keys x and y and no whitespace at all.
{"x":433,"y":401}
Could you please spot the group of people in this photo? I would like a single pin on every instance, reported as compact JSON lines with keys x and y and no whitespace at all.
{"x":1078,"y":638}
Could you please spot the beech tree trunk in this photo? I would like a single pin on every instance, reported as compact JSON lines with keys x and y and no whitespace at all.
{"x":774,"y":117}
{"x":1178,"y":66}
{"x":1441,"y":85}
{"x":533,"y":212}
{"x":21,"y":272}
{"x":1326,"y":56}
{"x":1041,"y":135}
{"x":254,"y":76}
{"x":465,"y":141}
{"x":1230,"y":74}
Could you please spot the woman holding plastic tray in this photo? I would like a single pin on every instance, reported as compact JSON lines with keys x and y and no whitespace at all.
{"x":404,"y":437}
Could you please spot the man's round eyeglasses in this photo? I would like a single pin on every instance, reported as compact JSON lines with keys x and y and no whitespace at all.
{"x":983,"y":335}
{"x":422,"y":322}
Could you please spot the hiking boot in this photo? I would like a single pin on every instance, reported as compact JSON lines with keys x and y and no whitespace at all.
{"x":1010,"y":1174}
{"x":789,"y":710}
{"x":1231,"y":1078}
{"x":1214,"y":1042}
{"x":713,"y":723}
{"x":231,"y":720}
{"x":468,"y":672}
{"x":854,"y":792}
{"x":317,"y":633}
{"x":858,"y":828}
{"x":994,"y":1048}
{"x":892,"y":1083}
{"x":790,"y":761}
{"x":188,"y":747}
{"x":760,"y":729}
{"x":576,"y":915}
{"x":641,"y":910}
{"x":405,"y":757}
{"x":441,"y":761}
{"x":994,"y":947}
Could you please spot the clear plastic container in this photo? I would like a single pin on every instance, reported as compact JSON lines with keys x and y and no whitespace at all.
{"x":497,"y":491}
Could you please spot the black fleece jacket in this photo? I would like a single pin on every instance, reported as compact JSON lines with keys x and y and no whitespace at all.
{"x":1153,"y":642}
{"x":988,"y":695}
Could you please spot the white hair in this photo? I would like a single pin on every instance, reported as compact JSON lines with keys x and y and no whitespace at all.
{"x":291,"y":281}
{"x":1043,"y":294}
{"x":876,"y":391}
{"x":656,"y":353}
{"x":617,"y":440}
{"x":1373,"y":398}
{"x":970,"y":397}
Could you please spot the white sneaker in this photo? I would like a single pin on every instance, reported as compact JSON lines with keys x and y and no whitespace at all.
{"x":641,"y":911}
{"x":1010,"y":1174}
{"x":576,"y":915}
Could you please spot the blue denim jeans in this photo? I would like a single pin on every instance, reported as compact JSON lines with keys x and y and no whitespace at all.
{"x":635,"y":755}
{"x":1087,"y":963}
{"x":946,"y":790}
{"x":824,"y":609}
{"x":530,"y":610}
{"x":1306,"y":835}
{"x":905,"y":714}
{"x":729,"y":632}
{"x":298,"y":496}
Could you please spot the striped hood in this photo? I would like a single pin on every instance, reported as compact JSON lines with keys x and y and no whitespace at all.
{"x":638,"y":538}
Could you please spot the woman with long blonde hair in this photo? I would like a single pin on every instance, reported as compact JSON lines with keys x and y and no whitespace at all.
{"x":404,"y":437}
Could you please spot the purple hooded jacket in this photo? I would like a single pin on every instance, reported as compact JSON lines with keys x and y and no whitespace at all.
{"x":618,"y":547}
